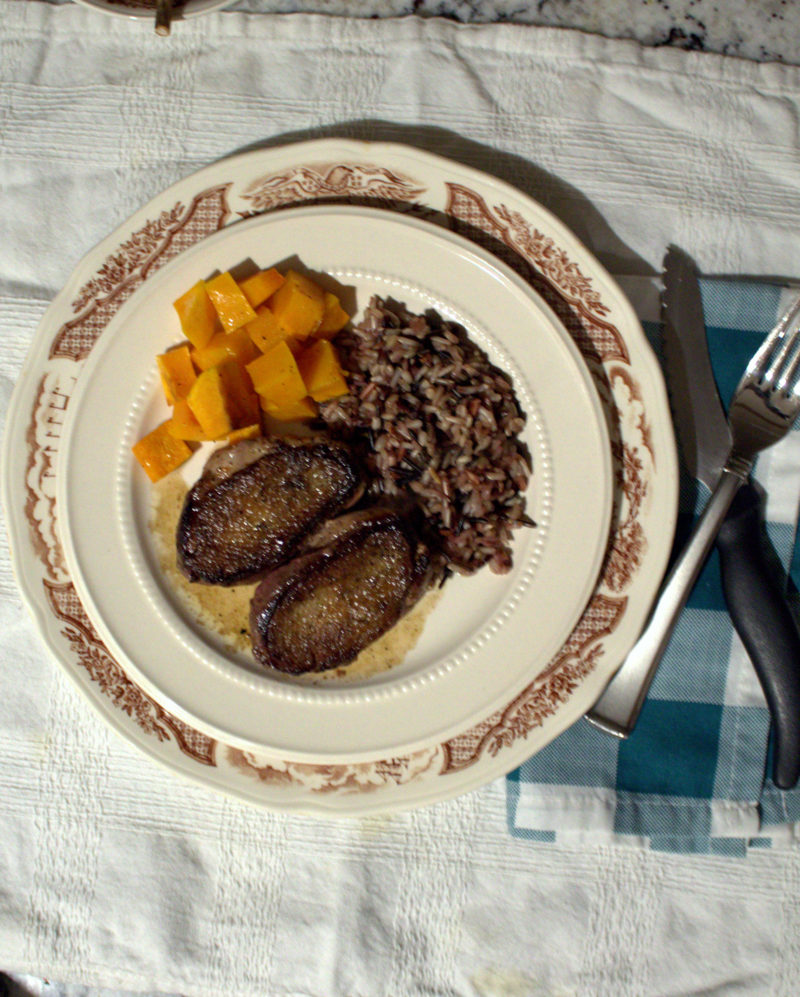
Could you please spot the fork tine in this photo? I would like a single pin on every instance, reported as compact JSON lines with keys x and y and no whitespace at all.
{"x":765,"y":355}
{"x":789,"y":316}
{"x":789,"y":378}
{"x":784,"y":360}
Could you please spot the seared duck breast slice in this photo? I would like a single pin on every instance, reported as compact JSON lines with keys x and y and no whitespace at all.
{"x":257,"y":501}
{"x":322,"y":609}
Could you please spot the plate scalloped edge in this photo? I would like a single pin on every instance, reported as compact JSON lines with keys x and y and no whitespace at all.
{"x":586,"y":300}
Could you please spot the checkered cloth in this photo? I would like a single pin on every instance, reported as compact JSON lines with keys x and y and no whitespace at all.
{"x":695,"y":774}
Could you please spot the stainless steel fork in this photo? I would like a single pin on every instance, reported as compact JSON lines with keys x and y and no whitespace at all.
{"x":764,"y":406}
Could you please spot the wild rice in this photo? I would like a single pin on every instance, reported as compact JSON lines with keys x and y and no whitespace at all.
{"x":435,"y":419}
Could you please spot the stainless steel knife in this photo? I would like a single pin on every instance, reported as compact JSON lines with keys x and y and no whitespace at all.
{"x":757,"y":605}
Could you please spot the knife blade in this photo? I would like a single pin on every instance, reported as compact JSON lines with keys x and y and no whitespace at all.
{"x":757,"y":605}
{"x":697,"y":411}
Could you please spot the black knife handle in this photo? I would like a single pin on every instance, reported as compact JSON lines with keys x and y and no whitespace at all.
{"x":766,"y":626}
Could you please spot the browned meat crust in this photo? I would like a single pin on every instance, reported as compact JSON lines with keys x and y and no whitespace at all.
{"x":257,"y":501}
{"x":321,"y":609}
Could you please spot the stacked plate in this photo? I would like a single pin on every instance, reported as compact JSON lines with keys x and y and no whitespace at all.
{"x":146,"y":8}
{"x":504,"y":662}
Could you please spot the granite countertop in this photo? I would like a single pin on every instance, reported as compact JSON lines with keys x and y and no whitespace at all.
{"x":764,"y":30}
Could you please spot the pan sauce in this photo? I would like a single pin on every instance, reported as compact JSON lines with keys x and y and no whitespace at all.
{"x":225,"y":611}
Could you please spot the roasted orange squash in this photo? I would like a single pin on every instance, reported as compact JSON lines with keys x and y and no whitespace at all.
{"x":241,"y":398}
{"x":236,"y":345}
{"x":276,"y":378}
{"x":298,"y":305}
{"x":230,"y":304}
{"x":177,"y":373}
{"x":245,"y":433}
{"x":183,"y":425}
{"x":249,"y":351}
{"x":159,"y":452}
{"x":261,"y":286}
{"x":321,"y":372}
{"x":334,"y":318}
{"x":197,"y":315}
{"x":299,"y":411}
{"x":210,"y":404}
{"x":264,"y":331}
{"x":223,"y":399}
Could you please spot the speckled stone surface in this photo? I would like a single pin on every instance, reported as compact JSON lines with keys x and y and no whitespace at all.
{"x":764,"y":30}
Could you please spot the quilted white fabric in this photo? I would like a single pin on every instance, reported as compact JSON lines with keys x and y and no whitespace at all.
{"x":115,"y":873}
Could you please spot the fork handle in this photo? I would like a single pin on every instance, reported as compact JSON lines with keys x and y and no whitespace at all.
{"x":617,"y":710}
{"x":766,"y":626}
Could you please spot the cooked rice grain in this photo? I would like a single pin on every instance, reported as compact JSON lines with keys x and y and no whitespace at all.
{"x":436,"y":419}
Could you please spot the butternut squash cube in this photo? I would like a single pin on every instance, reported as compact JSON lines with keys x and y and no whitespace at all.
{"x":299,"y":411}
{"x":334,"y":318}
{"x":177,"y":373}
{"x":183,"y":425}
{"x":208,"y":401}
{"x":159,"y":452}
{"x":298,"y":305}
{"x":197,"y":315}
{"x":245,"y":433}
{"x":321,"y":372}
{"x":236,"y":345}
{"x":264,"y":330}
{"x":232,"y":307}
{"x":223,"y":399}
{"x":276,"y":378}
{"x":261,"y":286}
{"x":241,"y":398}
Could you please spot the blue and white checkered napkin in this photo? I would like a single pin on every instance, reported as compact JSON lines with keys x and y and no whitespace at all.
{"x":695,"y":774}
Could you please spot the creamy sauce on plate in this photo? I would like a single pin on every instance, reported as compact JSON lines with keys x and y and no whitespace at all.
{"x":225,"y":610}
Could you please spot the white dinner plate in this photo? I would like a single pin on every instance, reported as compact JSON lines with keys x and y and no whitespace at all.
{"x":147,"y":8}
{"x":467,"y":662}
{"x":540,"y":248}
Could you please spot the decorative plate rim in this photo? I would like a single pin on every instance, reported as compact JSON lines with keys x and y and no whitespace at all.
{"x":494,"y":214}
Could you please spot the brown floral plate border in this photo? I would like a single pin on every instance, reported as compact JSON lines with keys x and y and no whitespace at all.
{"x":525,"y":236}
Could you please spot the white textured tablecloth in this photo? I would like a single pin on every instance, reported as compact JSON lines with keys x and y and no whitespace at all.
{"x":115,"y":873}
